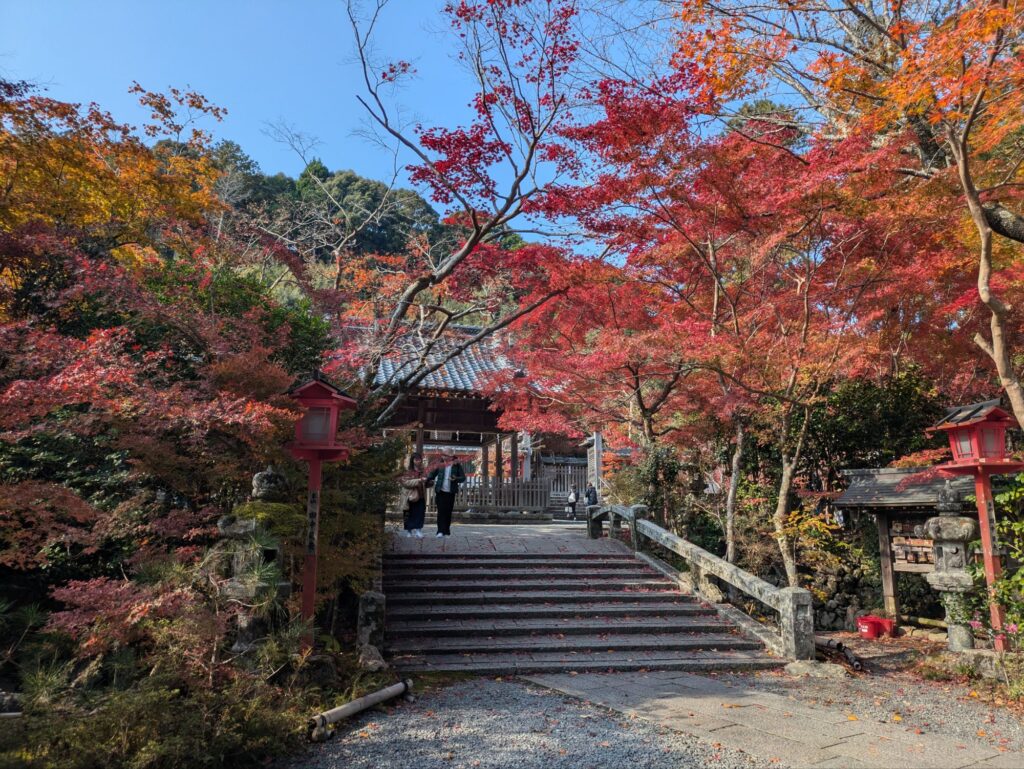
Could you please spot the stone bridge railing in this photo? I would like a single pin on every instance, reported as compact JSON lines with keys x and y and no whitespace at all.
{"x":794,"y":638}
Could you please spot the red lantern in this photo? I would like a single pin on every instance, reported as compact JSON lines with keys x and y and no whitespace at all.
{"x":977,"y":437}
{"x":316,"y":441}
{"x":977,"y":434}
{"x":316,"y":434}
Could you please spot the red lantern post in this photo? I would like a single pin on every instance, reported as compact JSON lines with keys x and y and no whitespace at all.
{"x":316,"y":441}
{"x":977,"y":437}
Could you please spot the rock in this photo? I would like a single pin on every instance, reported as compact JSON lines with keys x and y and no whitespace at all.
{"x":815,"y":669}
{"x":851,"y":619}
{"x":370,"y":619}
{"x":371,"y":660}
{"x":939,"y":636}
{"x":10,"y":702}
{"x":269,"y":486}
{"x":907,"y":630}
{"x":711,"y":592}
{"x":827,"y":620}
{"x":949,"y":528}
{"x":246,"y":590}
{"x":318,"y":669}
{"x":229,"y":526}
{"x":959,"y":638}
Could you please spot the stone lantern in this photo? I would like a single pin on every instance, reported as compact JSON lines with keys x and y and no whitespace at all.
{"x":951,"y":533}
{"x":977,"y":438}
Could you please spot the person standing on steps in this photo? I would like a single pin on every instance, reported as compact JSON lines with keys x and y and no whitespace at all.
{"x":590,"y":495}
{"x":571,"y":500}
{"x":414,"y":497}
{"x":446,"y":480}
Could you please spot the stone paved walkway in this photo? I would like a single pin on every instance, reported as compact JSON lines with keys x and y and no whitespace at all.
{"x":539,"y":539}
{"x":772,"y":726}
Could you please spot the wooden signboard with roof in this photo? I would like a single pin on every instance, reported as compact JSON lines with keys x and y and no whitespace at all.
{"x":901,"y":501}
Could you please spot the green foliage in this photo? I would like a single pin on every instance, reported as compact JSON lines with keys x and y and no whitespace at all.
{"x":298,"y":335}
{"x":156,"y":723}
{"x":658,"y":480}
{"x":771,"y":122}
{"x":866,"y":424}
{"x":307,"y":181}
{"x":382,"y":219}
{"x":1010,"y":587}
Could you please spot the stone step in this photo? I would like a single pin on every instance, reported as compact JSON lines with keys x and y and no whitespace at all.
{"x":516,"y":664}
{"x":596,"y":566}
{"x":491,"y":555}
{"x":512,"y":575}
{"x":486,"y":628}
{"x":512,"y":611}
{"x":511,"y":517}
{"x":542,"y":597}
{"x":521,"y":585}
{"x":577,"y":643}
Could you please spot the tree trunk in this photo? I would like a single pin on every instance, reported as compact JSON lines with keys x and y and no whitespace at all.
{"x":781,"y":518}
{"x":782,"y":509}
{"x":730,"y":499}
{"x":997,"y":346}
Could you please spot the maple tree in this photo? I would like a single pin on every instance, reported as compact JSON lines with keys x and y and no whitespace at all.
{"x":414,"y":306}
{"x":141,"y":382}
{"x":937,"y":83}
{"x":754,"y":276}
{"x":666,"y":258}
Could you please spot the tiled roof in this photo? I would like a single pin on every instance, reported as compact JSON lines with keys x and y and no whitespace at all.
{"x":466,"y":372}
{"x":974,"y":412}
{"x":880,"y":488}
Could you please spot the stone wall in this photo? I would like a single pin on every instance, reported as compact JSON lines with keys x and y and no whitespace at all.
{"x":843,"y":593}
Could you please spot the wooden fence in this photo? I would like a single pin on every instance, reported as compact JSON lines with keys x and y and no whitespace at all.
{"x":479,"y":493}
{"x":562,"y":477}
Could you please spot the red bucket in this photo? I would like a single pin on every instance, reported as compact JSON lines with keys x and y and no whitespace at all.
{"x":887,"y":626}
{"x":868,"y":627}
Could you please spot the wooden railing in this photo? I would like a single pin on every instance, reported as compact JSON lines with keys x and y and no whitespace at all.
{"x":479,"y":493}
{"x":794,"y":638}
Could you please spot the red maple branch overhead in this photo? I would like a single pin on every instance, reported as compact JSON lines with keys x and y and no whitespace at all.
{"x":488,"y":174}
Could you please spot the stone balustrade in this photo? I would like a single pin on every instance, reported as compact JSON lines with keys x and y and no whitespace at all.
{"x":795,"y":636}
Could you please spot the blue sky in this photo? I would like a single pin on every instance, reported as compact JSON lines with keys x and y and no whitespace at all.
{"x":264,"y":60}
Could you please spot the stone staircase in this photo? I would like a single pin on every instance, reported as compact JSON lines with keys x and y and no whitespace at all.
{"x":507,"y":613}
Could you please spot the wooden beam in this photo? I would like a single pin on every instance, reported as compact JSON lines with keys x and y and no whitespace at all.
{"x":499,"y":460}
{"x":419,"y":430}
{"x":514,"y":440}
{"x":889,"y":599}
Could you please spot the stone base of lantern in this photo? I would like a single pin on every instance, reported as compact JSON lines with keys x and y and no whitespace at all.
{"x":988,"y":663}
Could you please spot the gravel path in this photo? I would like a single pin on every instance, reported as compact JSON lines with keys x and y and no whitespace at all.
{"x":490,"y":724}
{"x":890,"y":693}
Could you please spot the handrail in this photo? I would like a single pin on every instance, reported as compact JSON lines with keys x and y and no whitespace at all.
{"x":795,"y":638}
{"x":712,"y":564}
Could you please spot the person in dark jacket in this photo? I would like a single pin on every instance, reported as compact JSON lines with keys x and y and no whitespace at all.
{"x":590,"y":495}
{"x":446,"y":479}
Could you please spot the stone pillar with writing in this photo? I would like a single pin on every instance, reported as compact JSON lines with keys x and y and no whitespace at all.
{"x":250,"y":562}
{"x":951,"y":533}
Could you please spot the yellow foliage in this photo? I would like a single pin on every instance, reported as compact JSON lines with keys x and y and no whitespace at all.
{"x":78,"y":170}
